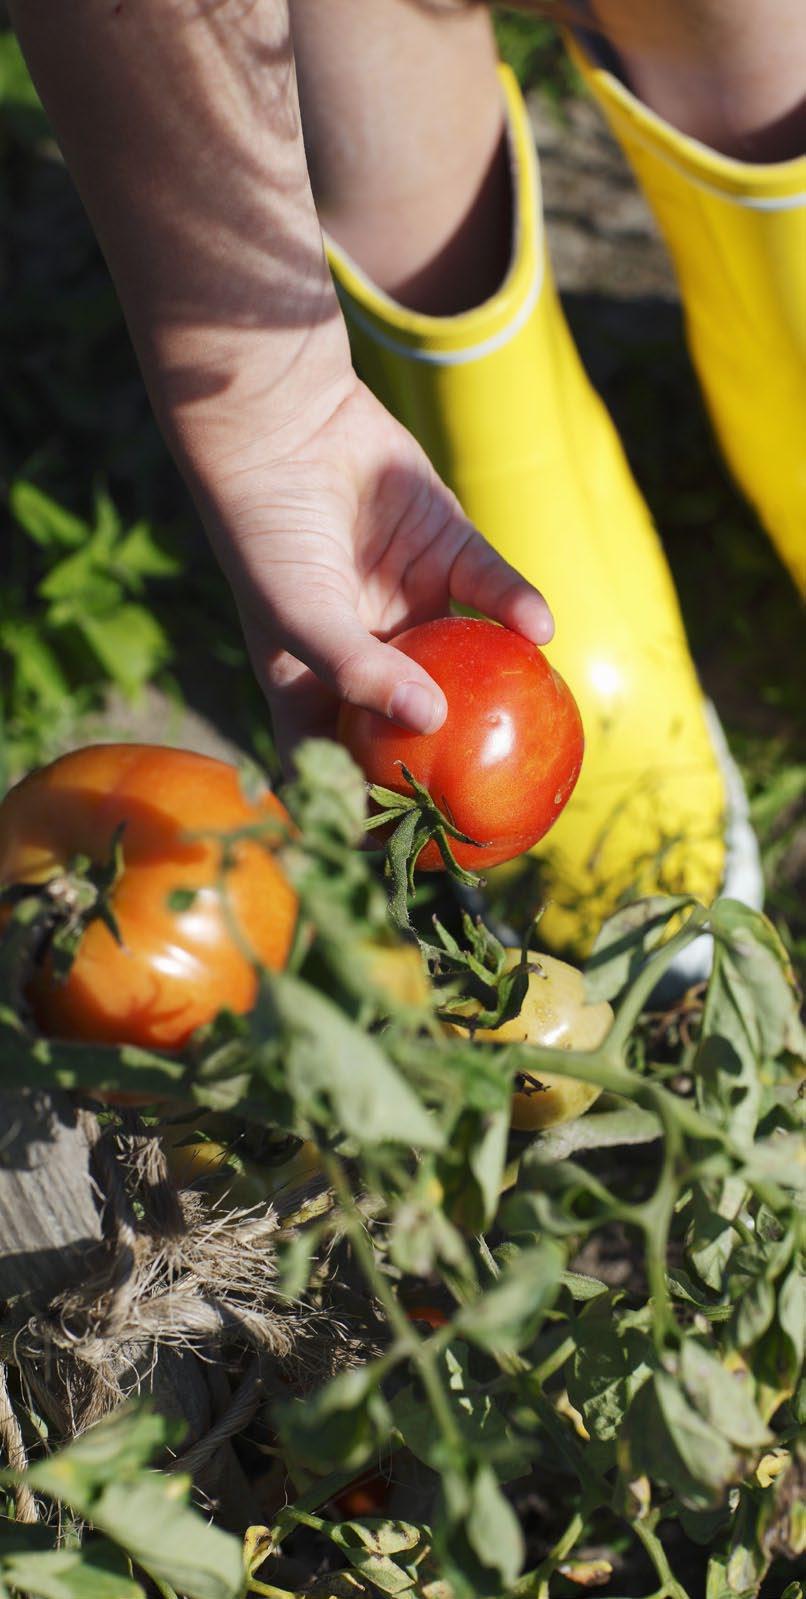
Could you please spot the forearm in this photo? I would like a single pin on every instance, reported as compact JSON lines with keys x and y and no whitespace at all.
{"x":180,"y":124}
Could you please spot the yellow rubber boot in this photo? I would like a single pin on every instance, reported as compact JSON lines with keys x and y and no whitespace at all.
{"x":499,"y":399}
{"x":736,"y":233}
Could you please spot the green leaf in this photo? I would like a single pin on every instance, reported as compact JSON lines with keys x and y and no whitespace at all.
{"x":328,"y":794}
{"x":383,"y":1573}
{"x":486,"y":1159}
{"x":102,"y":1476}
{"x":332,"y":1068}
{"x":471,"y":1170}
{"x":778,"y":1354}
{"x":670,"y":1441}
{"x":379,"y":1536}
{"x":711,"y":1238}
{"x":612,"y":1361}
{"x":763,"y":972}
{"x":46,"y":522}
{"x":44,"y":1063}
{"x":600,"y":1129}
{"x":792,"y":1314}
{"x":343,"y":1424}
{"x":738,"y":1564}
{"x":88,"y":1573}
{"x":625,"y":942}
{"x":753,"y":1313}
{"x":780,"y":1159}
{"x":479,"y":1534}
{"x":118,"y":1446}
{"x":142,"y":553}
{"x":493,"y":1528}
{"x":509,"y":1314}
{"x":36,"y":668}
{"x":130,"y":644}
{"x":487,"y":1434}
{"x":724,"y":1398}
{"x":150,"y":1518}
{"x":107,"y":520}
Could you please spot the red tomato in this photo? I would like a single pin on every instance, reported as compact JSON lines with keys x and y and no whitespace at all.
{"x":432,"y":1315}
{"x":368,"y":1497}
{"x":174,"y":968}
{"x":504,"y":762}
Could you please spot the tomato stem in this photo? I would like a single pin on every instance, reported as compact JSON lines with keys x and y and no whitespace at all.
{"x":51,"y":917}
{"x":419,"y":821}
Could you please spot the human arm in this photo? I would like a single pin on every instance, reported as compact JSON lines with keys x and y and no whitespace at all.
{"x":179,"y":121}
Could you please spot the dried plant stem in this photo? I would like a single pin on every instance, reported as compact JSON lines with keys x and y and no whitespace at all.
{"x":13,"y":1447}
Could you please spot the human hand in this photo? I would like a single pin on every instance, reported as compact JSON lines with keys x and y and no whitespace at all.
{"x":334,"y":542}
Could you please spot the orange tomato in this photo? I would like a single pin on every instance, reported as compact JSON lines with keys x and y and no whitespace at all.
{"x":175,"y":967}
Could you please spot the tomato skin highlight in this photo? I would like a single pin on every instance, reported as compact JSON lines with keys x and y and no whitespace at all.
{"x":505,"y":761}
{"x":175,"y":968}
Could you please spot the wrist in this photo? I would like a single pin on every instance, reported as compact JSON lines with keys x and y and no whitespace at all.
{"x":227,"y":398}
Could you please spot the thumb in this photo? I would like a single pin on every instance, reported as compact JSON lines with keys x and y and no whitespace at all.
{"x":357,"y":667}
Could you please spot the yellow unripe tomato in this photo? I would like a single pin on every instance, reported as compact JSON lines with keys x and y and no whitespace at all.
{"x":208,"y":1160}
{"x":556,"y":1013}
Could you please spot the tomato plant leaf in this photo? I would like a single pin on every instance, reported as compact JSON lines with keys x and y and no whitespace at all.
{"x":612,"y":1361}
{"x":753,"y":1313}
{"x":509,"y":1314}
{"x":333,"y":1068}
{"x":327,"y":794}
{"x":761,"y":966}
{"x":378,"y":1536}
{"x":711,"y":1236}
{"x":103,"y":1476}
{"x":36,"y":665}
{"x":123,"y":1442}
{"x":343,"y":1424}
{"x":670,"y":1440}
{"x":85,"y":1573}
{"x":626,"y":939}
{"x":479,"y":1534}
{"x":723,"y":1397}
{"x":144,"y":553}
{"x":486,"y":1433}
{"x":792,"y":1313}
{"x":149,"y":1517}
{"x":601,"y":1128}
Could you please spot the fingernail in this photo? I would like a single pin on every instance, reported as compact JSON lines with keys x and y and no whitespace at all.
{"x":417,"y":708}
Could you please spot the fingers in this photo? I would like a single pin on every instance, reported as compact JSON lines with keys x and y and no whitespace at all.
{"x":332,"y":642}
{"x":301,"y":708}
{"x":481,"y":578}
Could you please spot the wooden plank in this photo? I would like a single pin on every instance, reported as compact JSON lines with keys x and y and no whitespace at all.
{"x":50,"y":1227}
